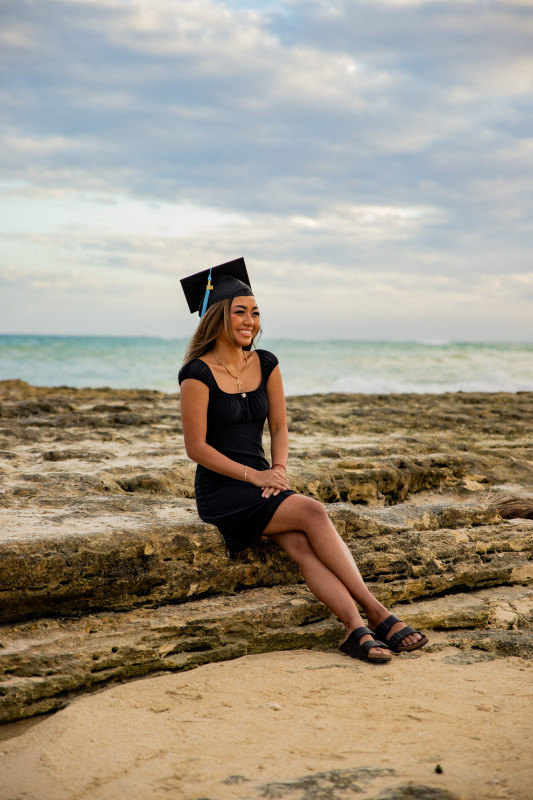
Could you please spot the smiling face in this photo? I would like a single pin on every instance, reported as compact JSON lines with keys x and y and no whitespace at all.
{"x":244,"y":320}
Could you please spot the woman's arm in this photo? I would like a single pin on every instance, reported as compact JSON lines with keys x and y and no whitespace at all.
{"x":194,"y":399}
{"x":279,"y":435}
{"x":277,"y":418}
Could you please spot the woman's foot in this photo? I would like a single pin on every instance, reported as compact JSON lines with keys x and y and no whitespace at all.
{"x":374,"y":652}
{"x":388,"y":628}
{"x":358,"y":644}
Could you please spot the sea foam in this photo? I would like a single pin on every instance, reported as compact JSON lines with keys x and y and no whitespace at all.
{"x":307,"y":367}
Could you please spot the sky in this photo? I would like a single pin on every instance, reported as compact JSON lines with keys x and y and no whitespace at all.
{"x":372,"y":160}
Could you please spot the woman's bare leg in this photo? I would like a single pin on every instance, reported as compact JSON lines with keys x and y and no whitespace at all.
{"x":324,"y":583}
{"x":300,"y":513}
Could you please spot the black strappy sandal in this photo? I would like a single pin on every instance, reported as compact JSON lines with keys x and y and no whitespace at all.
{"x":394,"y":641}
{"x":352,"y":647}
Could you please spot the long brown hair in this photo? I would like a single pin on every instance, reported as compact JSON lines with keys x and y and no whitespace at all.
{"x":215,"y":320}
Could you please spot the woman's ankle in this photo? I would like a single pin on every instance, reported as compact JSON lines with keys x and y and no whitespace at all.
{"x":375,"y":613}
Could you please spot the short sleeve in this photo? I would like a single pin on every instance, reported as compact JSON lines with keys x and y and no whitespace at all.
{"x":268,"y":362}
{"x":199,"y":371}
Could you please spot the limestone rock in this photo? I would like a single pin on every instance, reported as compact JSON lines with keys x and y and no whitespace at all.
{"x":102,"y":551}
{"x":47,"y":662}
{"x":176,"y":558}
{"x":493,"y":642}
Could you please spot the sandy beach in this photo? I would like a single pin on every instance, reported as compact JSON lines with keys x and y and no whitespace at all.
{"x":138,"y":661}
{"x":298,"y":724}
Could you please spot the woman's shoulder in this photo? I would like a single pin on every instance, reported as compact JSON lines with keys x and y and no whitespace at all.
{"x":268,"y":362}
{"x":198,"y":370}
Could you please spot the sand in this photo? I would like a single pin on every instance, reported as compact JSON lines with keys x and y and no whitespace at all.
{"x":264,"y":725}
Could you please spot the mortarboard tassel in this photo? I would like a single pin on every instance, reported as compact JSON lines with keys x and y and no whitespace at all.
{"x":206,"y":298}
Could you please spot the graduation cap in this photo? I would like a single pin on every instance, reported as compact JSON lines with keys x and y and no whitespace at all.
{"x":218,"y":283}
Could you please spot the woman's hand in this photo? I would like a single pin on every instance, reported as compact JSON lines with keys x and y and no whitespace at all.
{"x":271,"y":481}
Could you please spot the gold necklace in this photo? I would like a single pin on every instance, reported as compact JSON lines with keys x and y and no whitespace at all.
{"x":237,"y":377}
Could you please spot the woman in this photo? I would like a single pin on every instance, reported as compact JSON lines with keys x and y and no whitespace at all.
{"x":226,"y":394}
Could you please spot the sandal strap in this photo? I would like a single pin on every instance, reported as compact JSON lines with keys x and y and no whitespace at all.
{"x":357,"y":649}
{"x":384,"y":627}
{"x":367,"y":646}
{"x":358,"y":634}
{"x":397,"y":637}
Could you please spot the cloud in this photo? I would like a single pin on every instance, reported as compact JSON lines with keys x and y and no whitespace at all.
{"x":146,"y":139}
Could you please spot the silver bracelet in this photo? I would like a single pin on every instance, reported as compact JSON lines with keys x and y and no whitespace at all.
{"x":245,"y":471}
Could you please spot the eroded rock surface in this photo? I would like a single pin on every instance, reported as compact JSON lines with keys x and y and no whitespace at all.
{"x":43,"y":663}
{"x":106,"y":572}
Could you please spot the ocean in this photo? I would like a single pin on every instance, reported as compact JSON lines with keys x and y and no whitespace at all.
{"x":307,"y":367}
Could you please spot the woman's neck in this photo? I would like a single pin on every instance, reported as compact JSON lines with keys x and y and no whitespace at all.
{"x":228,"y":353}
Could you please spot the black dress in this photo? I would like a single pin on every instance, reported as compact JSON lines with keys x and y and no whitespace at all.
{"x":235,"y":428}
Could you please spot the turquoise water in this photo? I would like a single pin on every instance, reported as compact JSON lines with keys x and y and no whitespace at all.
{"x":307,"y":367}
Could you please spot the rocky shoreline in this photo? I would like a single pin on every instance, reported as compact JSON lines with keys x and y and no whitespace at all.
{"x":106,"y":573}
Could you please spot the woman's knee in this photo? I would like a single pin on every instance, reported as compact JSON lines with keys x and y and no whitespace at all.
{"x":297,"y":546}
{"x":314,"y":512}
{"x":297,"y":513}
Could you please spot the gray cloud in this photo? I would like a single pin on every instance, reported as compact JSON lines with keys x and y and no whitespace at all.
{"x":376,"y":137}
